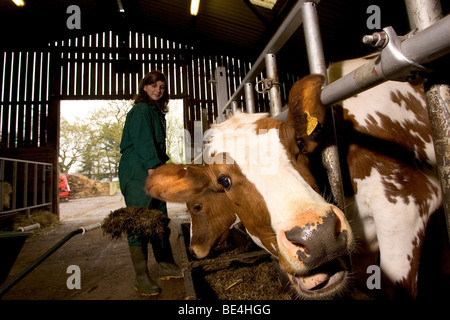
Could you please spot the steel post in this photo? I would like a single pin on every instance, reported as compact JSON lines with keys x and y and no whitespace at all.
{"x":249,"y":97}
{"x":235,"y":107}
{"x":274,"y":92}
{"x":317,"y":65}
{"x":423,"y":14}
{"x":220,"y":81}
{"x":313,"y":40}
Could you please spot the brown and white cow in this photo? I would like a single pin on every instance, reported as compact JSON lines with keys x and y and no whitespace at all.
{"x":258,"y":169}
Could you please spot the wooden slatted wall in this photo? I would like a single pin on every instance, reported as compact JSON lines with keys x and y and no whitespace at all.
{"x":24,"y":98}
{"x":109,"y":65}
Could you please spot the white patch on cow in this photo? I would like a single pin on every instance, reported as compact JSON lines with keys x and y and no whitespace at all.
{"x":264,"y":161}
{"x":257,"y":241}
{"x":397,"y":224}
{"x":236,"y":222}
{"x":378,"y":101}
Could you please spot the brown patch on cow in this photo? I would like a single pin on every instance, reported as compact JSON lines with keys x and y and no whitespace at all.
{"x":254,"y":215}
{"x":211,"y":219}
{"x":408,"y":285}
{"x":304,"y":98}
{"x":176,"y":183}
{"x":389,"y":147}
{"x":401,"y":181}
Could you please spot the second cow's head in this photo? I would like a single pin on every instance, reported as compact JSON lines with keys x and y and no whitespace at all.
{"x":257,"y":169}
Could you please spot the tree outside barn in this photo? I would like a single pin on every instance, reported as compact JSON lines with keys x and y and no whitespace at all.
{"x":90,"y":144}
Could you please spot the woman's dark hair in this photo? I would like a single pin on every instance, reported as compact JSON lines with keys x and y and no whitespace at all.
{"x":142,"y":96}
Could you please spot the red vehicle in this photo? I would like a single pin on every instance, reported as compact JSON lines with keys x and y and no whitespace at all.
{"x":64,"y":189}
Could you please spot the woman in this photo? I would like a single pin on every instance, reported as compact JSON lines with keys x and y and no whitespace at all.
{"x":143,"y":148}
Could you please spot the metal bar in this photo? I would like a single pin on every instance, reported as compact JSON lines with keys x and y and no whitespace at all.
{"x":43,"y":184}
{"x":238,"y":257}
{"x":438,"y":100}
{"x":220,"y":81}
{"x":26,"y":208}
{"x":13,"y":201}
{"x":371,"y":74}
{"x":274,"y":91}
{"x":313,"y":40}
{"x":35,"y":181}
{"x":25,"y":185}
{"x":234,"y":107}
{"x":422,"y":14}
{"x":249,"y":97}
{"x":317,"y":65}
{"x":281,"y":36}
{"x":50,"y":193}
{"x":25,"y":161}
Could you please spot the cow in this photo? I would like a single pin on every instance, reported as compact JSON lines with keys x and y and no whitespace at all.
{"x":258,"y":169}
{"x":6,"y":194}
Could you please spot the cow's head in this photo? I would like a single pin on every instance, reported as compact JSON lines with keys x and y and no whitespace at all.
{"x":210,"y":210}
{"x":257,"y":168}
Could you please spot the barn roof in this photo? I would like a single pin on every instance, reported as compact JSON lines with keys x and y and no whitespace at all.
{"x":232,"y":26}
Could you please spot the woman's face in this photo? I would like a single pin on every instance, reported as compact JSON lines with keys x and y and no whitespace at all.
{"x":156,"y":90}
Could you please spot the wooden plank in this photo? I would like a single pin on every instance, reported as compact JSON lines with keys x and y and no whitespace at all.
{"x":87,"y":69}
{"x":110,"y":74}
{"x":13,"y":95}
{"x":40,"y":118}
{"x":78,"y":90}
{"x":30,"y":94}
{"x":196,"y":89}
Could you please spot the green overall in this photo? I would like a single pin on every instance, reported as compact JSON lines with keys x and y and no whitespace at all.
{"x":143,"y":147}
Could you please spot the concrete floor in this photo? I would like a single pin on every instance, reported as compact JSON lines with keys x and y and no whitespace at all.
{"x":105,"y":265}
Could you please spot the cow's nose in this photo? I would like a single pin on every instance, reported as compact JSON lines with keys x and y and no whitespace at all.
{"x":319,"y":243}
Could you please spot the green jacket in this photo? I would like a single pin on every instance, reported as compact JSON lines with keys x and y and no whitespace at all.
{"x":144,"y":134}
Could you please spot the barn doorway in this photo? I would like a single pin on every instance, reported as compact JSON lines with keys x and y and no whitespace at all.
{"x":90,"y":133}
{"x":89,"y":153}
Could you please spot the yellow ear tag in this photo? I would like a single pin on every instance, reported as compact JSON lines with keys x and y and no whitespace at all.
{"x":311,"y":123}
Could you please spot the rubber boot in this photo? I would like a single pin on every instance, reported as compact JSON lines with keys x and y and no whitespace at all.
{"x":143,"y":283}
{"x":163,"y":255}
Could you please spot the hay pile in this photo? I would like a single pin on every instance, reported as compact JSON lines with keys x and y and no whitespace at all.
{"x":256,"y":282}
{"x":135,"y":221}
{"x":47,"y":220}
{"x":82,"y":187}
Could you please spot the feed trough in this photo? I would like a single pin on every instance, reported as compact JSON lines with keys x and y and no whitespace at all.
{"x":236,"y":270}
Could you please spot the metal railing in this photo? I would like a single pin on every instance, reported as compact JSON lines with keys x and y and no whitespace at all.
{"x":30,"y":186}
{"x":399,"y":59}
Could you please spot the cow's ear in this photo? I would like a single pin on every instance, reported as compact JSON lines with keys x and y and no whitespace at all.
{"x":306,"y":112}
{"x":177,"y":182}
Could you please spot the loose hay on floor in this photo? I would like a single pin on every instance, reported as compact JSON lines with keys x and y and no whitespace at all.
{"x":135,"y":221}
{"x":46,"y":219}
{"x":256,"y":282}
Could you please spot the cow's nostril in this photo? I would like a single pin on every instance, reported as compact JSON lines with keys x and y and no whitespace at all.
{"x":316,"y":243}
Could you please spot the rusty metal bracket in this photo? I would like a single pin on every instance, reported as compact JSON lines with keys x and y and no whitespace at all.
{"x":264,"y":85}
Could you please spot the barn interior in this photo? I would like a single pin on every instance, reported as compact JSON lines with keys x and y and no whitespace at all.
{"x":99,"y":49}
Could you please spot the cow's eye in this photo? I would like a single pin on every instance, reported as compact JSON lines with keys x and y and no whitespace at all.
{"x":197,"y":207}
{"x":301,"y":145}
{"x":225,"y":182}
